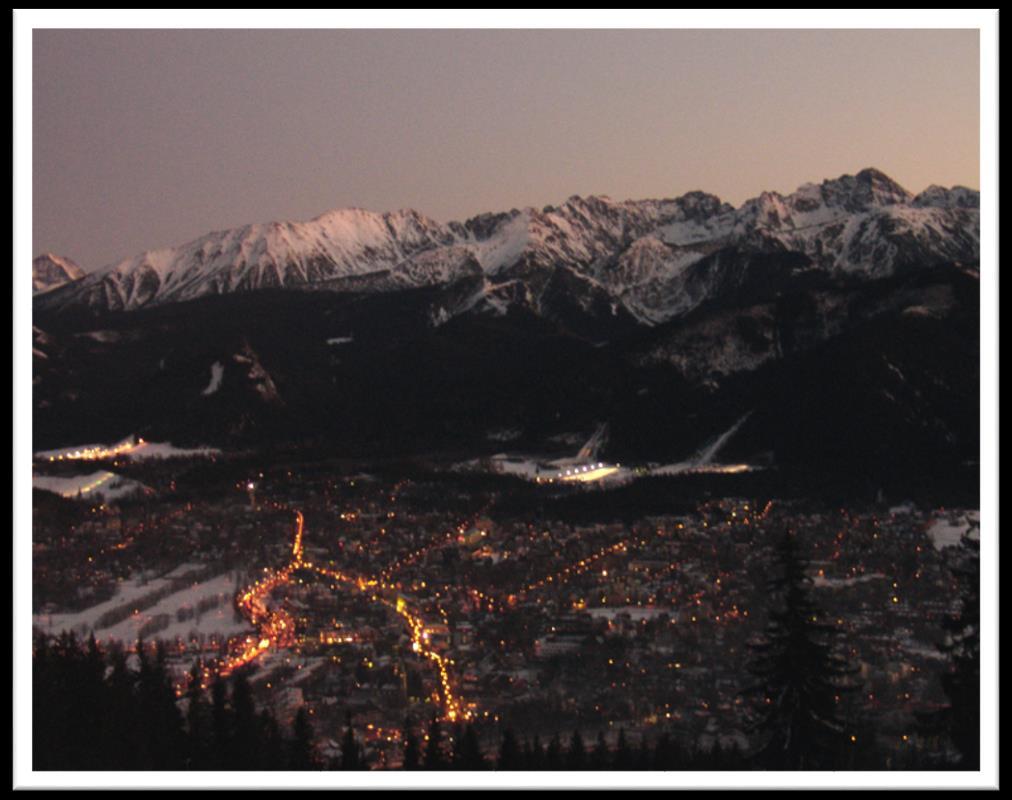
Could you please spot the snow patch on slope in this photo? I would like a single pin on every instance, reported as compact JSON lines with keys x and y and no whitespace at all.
{"x":217,"y":372}
{"x":947,"y":531}
{"x":102,"y":484}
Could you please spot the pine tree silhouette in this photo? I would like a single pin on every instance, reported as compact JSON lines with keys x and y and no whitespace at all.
{"x":244,"y":750}
{"x":122,"y":711}
{"x":799,"y":677}
{"x":43,"y":666}
{"x":622,"y":759}
{"x":301,"y":756}
{"x":644,"y":755}
{"x":273,"y":748}
{"x":412,"y":752}
{"x":91,"y":692}
{"x":576,"y":756}
{"x":197,"y":721}
{"x":664,"y":753}
{"x":600,"y":758}
{"x":471,"y":757}
{"x":534,"y":754}
{"x":553,"y":754}
{"x":164,"y":738}
{"x":434,"y":759}
{"x":510,"y":756}
{"x":221,"y":724}
{"x":351,"y":753}
{"x":457,"y":742}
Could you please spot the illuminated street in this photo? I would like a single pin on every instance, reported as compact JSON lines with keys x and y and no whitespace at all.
{"x":276,"y":629}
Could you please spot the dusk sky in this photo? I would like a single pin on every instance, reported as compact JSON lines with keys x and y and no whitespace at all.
{"x":146,"y":139}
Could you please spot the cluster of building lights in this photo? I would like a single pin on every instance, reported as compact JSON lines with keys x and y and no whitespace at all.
{"x":439,"y":541}
{"x":98,"y":453}
{"x":584,"y":474}
{"x":277,"y":628}
{"x":580,"y":566}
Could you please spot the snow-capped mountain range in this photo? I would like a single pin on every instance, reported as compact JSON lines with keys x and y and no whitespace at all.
{"x":654,"y":259}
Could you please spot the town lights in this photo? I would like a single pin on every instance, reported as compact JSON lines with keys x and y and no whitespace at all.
{"x":97,"y":453}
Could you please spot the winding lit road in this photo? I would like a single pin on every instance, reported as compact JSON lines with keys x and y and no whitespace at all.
{"x":276,"y":628}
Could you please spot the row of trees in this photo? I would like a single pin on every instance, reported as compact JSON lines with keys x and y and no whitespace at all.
{"x":92,"y":711}
{"x":573,"y":753}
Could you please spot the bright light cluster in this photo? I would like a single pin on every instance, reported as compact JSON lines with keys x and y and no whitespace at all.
{"x":98,"y":453}
{"x":588,"y":473}
{"x":277,"y":628}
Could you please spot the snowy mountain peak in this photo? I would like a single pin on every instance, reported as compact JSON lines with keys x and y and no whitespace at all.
{"x":940,"y":197}
{"x":870,"y":187}
{"x":50,"y":270}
